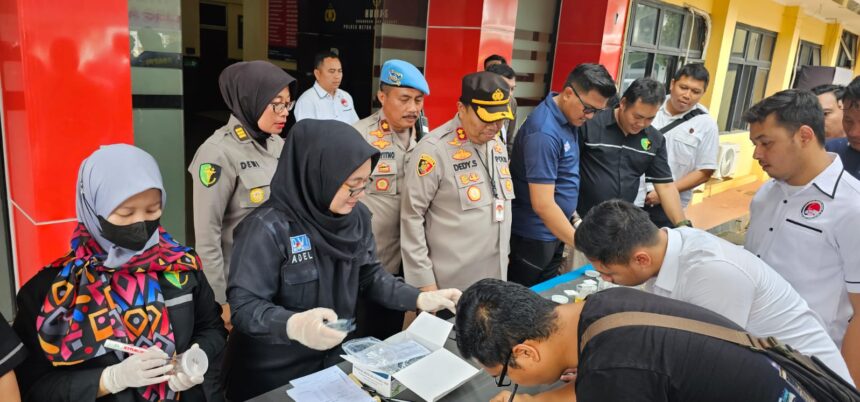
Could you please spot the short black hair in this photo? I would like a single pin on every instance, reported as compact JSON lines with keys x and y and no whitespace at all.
{"x":494,"y":57}
{"x":493,"y":316}
{"x":645,"y":89}
{"x":612,"y":230}
{"x":851,"y":96}
{"x":837,"y":90}
{"x":791,"y":108}
{"x":589,"y":76}
{"x":696,"y":71}
{"x":504,"y":70}
{"x":320,"y":57}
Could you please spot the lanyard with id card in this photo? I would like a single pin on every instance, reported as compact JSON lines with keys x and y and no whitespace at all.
{"x":498,"y":204}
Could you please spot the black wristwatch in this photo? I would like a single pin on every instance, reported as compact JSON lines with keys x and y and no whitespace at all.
{"x":685,"y":222}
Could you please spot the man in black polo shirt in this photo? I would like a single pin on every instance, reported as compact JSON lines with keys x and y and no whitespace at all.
{"x":538,"y":340}
{"x":619,"y":145}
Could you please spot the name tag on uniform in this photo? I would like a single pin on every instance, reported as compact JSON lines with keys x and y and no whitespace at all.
{"x":499,"y":208}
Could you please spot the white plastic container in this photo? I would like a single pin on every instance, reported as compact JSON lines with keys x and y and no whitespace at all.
{"x":192,"y":363}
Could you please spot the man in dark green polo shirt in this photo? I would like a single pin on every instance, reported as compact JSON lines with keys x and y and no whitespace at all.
{"x":619,"y":145}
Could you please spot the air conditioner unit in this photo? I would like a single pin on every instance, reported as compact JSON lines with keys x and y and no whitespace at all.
{"x":727,"y":161}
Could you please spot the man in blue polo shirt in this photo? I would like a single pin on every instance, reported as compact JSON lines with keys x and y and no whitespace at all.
{"x":545,"y":171}
{"x":848,"y":147}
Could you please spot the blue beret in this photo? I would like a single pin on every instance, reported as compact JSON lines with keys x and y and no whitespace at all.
{"x":399,"y":73}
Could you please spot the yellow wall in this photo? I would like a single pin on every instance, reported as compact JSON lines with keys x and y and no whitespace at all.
{"x":791,"y":25}
{"x":814,"y":30}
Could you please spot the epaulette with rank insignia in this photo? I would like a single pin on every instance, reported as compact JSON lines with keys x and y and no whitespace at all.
{"x":240,"y":133}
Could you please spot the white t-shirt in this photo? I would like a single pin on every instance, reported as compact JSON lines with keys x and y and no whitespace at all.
{"x":812,"y":238}
{"x":692,"y":145}
{"x":316,"y":103}
{"x":702,"y":269}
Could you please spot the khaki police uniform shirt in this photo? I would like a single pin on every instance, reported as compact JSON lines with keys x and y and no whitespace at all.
{"x":231,"y":174}
{"x":450,"y":237}
{"x":383,"y":192}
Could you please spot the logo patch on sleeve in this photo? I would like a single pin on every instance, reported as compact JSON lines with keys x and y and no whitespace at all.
{"x":209,"y":174}
{"x":425,"y":164}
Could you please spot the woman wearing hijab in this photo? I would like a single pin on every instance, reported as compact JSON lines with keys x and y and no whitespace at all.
{"x":302,"y":260}
{"x":232,"y":170}
{"x":125,"y":279}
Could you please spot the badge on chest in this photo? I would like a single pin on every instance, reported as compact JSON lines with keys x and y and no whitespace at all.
{"x":300,"y":249}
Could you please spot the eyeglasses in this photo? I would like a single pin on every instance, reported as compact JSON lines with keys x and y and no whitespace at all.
{"x":355,"y":191}
{"x":586,"y":108}
{"x":500,"y":380}
{"x":280,"y":107}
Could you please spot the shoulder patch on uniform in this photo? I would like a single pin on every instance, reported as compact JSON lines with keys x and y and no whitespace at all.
{"x":426,"y":163}
{"x":646,"y":144}
{"x":209,"y":174}
{"x":240,"y":132}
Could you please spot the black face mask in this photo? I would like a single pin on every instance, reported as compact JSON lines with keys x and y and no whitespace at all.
{"x":132,"y":237}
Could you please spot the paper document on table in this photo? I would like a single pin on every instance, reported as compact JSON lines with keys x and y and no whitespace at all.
{"x":329,"y":385}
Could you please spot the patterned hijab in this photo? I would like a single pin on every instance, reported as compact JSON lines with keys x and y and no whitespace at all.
{"x":104,"y":291}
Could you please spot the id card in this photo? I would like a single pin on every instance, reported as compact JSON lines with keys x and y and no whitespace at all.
{"x":499,"y":208}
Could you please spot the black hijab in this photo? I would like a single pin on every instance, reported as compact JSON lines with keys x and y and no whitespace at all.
{"x":248,"y":87}
{"x":318,"y":157}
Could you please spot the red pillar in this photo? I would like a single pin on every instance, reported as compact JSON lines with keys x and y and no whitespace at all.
{"x":589,"y":31}
{"x":66,"y":89}
{"x":460,"y":35}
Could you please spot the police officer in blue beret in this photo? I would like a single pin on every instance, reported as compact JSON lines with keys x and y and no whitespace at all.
{"x":392,"y":130}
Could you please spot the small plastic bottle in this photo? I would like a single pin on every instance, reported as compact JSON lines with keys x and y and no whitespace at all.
{"x":193,"y":362}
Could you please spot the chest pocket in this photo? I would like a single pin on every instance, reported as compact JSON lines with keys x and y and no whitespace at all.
{"x":384,"y":178}
{"x":505,"y":181}
{"x":682,"y":152}
{"x":299,"y":284}
{"x":471,"y":189}
{"x":253,"y":188}
{"x":802,"y":231}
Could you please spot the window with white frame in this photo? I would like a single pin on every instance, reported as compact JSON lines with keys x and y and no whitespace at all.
{"x":847,"y":50}
{"x":661,"y":39}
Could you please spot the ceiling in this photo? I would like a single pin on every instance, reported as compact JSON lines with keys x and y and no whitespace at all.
{"x":846,"y":12}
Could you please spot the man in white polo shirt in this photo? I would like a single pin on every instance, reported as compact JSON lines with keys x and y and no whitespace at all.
{"x":805,"y":221}
{"x":325,"y":100}
{"x":692,"y":140}
{"x":694,"y":266}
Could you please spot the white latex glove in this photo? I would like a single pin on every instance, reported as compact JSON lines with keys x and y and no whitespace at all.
{"x":308,"y":328}
{"x":135,"y":371}
{"x":179,"y":381}
{"x":436,"y":300}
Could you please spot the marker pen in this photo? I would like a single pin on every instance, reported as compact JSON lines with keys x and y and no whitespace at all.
{"x":123,"y":347}
{"x":193,"y":362}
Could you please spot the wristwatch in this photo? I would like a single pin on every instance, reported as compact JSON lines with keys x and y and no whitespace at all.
{"x":685,"y":222}
{"x":575,"y":220}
